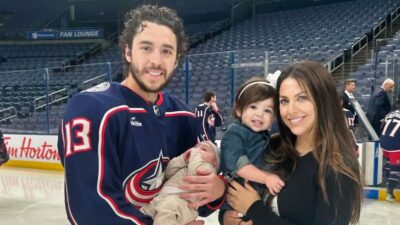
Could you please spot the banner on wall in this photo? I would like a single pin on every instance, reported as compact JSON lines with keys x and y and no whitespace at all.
{"x":65,"y":34}
{"x":34,"y":151}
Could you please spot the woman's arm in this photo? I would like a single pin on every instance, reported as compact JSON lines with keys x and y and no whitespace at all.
{"x":245,"y":200}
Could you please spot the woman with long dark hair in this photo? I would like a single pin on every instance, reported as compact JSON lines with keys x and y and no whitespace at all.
{"x":314,"y":156}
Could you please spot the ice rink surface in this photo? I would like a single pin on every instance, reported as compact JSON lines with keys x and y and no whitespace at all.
{"x":36,"y":197}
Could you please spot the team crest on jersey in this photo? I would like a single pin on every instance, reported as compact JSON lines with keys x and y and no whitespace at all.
{"x":100,"y":87}
{"x":143,"y":184}
{"x":211,"y":120}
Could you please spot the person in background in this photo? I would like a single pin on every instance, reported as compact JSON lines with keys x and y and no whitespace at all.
{"x":350,"y":122}
{"x":4,"y":157}
{"x":390,"y":145}
{"x":379,"y":104}
{"x":321,"y":172}
{"x":347,"y":96}
{"x":116,"y":139}
{"x":208,"y":117}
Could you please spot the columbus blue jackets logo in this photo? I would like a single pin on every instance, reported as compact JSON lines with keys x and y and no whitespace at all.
{"x":145,"y":183}
{"x":211,"y":120}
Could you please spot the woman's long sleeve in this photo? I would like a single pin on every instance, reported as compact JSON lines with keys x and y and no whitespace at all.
{"x":337,"y":212}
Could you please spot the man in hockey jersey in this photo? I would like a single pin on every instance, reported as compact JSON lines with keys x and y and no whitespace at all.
{"x":347,"y":96}
{"x":116,"y":140}
{"x":390,"y":144}
{"x":350,"y":118}
{"x":208,"y":117}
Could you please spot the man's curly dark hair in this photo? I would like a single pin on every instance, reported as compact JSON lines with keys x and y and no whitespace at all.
{"x":135,"y":22}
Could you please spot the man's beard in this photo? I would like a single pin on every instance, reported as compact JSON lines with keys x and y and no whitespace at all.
{"x":135,"y":73}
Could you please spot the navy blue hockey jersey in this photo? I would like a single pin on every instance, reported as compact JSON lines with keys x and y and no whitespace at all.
{"x":207,"y":119}
{"x":350,"y":118}
{"x":390,"y":137}
{"x":115,"y":147}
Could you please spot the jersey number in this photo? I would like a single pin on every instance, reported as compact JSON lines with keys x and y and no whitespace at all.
{"x":395,"y":128}
{"x":199,"y":113}
{"x":350,"y":121}
{"x":78,"y":141}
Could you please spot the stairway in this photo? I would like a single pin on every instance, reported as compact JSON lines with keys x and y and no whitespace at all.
{"x":350,"y":65}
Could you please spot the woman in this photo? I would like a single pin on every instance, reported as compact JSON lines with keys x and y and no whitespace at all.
{"x":315,"y":157}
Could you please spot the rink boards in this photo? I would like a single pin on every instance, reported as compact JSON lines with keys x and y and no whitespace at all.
{"x":40,"y":152}
{"x":33,"y":151}
{"x":379,"y":193}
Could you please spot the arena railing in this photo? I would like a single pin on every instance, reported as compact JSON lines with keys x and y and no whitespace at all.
{"x":361,"y":44}
{"x":8,"y":113}
{"x":50,"y":99}
{"x":221,"y":72}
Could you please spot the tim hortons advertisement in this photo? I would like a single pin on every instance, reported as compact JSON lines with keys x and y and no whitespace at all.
{"x":36,"y":151}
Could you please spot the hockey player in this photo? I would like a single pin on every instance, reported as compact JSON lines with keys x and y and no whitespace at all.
{"x":208,"y":117}
{"x":347,"y":96}
{"x":116,"y":140}
{"x":390,"y":144}
{"x":350,"y":118}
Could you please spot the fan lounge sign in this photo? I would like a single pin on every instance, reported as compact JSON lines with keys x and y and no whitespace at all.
{"x":65,"y":34}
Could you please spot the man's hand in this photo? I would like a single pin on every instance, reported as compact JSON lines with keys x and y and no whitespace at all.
{"x":205,"y":187}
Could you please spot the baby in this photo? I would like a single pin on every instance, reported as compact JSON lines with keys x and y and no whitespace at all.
{"x":167,"y":207}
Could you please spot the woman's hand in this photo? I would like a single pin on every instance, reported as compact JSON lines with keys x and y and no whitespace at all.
{"x":232,"y":217}
{"x":241,"y":197}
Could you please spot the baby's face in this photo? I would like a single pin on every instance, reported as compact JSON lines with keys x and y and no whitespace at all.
{"x":207,"y":152}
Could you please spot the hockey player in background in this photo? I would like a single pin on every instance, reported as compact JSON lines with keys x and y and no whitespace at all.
{"x":208,"y":117}
{"x":390,"y":144}
{"x":116,"y":139}
{"x":350,"y":119}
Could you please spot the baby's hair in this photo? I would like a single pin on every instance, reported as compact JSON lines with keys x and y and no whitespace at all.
{"x":253,"y":90}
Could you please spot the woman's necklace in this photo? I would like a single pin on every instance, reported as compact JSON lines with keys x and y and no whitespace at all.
{"x":304,"y":150}
{"x":302,"y":153}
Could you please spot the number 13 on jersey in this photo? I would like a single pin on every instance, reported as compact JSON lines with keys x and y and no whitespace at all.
{"x":77,"y":136}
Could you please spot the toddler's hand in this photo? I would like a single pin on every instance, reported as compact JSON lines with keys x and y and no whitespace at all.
{"x":274,"y":183}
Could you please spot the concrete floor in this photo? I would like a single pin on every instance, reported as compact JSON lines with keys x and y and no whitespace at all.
{"x":36,"y":197}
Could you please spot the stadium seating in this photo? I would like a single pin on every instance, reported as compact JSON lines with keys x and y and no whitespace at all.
{"x":319,"y":33}
{"x":19,"y":16}
{"x":382,"y":66}
{"x":222,"y":63}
